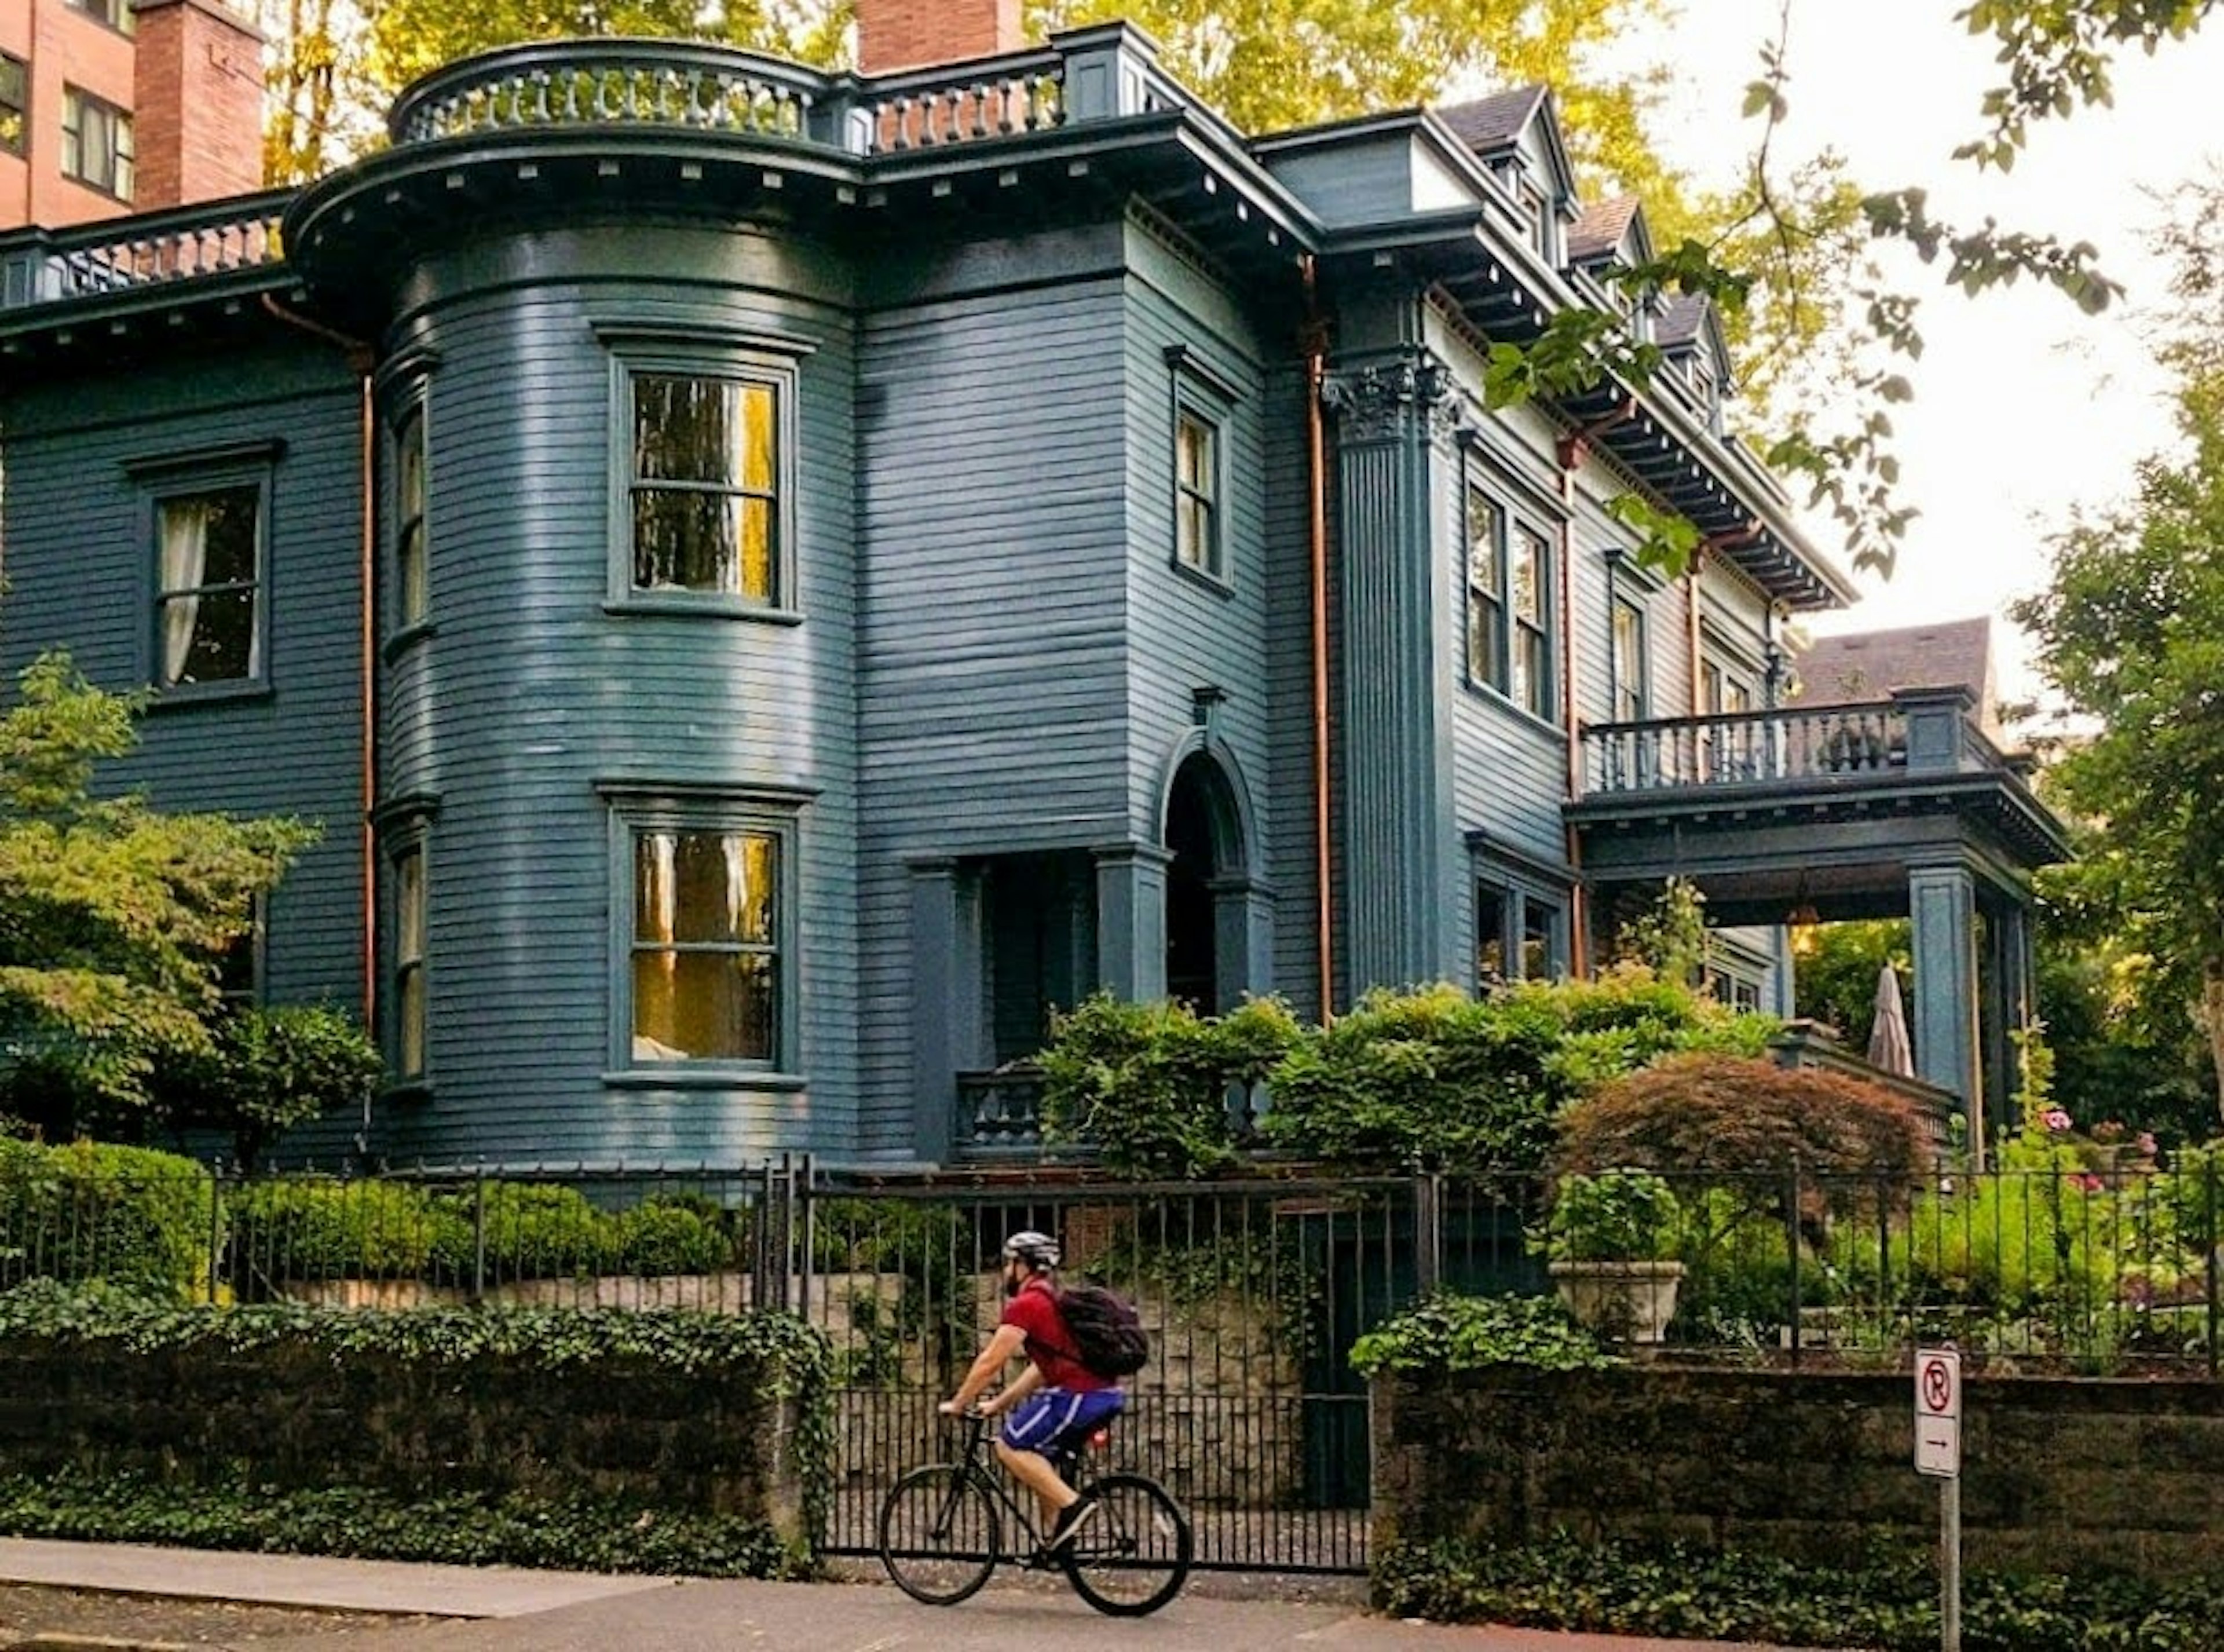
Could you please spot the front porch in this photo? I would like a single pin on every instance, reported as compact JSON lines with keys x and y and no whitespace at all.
{"x":1899,"y":807}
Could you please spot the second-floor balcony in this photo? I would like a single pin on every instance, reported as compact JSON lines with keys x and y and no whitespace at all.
{"x":1808,"y":748}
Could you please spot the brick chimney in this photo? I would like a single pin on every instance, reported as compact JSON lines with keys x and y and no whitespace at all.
{"x":198,"y":103}
{"x":897,"y":34}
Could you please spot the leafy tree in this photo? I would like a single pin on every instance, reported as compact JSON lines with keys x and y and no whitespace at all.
{"x":112,"y":916}
{"x":2131,"y":631}
{"x":410,"y":37}
{"x":268,"y":1070}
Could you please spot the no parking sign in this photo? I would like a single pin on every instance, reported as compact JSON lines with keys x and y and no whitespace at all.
{"x":1939,"y":1413}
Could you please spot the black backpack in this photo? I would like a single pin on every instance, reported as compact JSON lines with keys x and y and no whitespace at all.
{"x":1108,"y":1338}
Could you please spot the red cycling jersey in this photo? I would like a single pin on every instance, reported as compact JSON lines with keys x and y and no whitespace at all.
{"x":1049,"y":1346}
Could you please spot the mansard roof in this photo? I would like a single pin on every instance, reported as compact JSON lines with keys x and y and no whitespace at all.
{"x":1862,"y":666}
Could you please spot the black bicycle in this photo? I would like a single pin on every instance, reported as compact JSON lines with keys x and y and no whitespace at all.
{"x":942,"y":1535}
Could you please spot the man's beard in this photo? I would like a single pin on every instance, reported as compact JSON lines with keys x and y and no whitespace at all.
{"x":1012,"y":1286}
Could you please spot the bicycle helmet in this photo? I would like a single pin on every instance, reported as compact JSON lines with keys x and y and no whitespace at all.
{"x":1038,"y":1250}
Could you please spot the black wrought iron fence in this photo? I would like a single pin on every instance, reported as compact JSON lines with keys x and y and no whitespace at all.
{"x":705,"y":1239}
{"x":1253,"y":1291}
{"x":2100,"y":1266}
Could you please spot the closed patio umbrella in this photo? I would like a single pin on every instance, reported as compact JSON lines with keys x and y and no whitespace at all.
{"x":1888,"y":1046}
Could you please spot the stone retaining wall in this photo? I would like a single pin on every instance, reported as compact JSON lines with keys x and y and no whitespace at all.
{"x":294,"y":1416}
{"x":2059,"y":1475}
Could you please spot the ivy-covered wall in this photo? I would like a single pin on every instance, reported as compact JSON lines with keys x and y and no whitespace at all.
{"x":685,"y":1414}
{"x":2060,"y":1475}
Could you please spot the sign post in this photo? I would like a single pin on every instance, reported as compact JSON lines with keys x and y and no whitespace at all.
{"x":1938,"y":1453}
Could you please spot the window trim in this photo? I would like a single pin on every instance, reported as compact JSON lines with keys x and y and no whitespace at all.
{"x":1210,"y":491}
{"x":1500,"y":672}
{"x":1517,"y":881}
{"x":405,"y":833}
{"x":1545,"y":630}
{"x":21,"y":147}
{"x":408,"y":408}
{"x":1519,"y":511}
{"x":163,"y":479}
{"x":635,"y":806}
{"x":1199,"y":394}
{"x":1626,"y":606}
{"x":689,"y":351}
{"x":257,"y":950}
{"x":124,"y":156}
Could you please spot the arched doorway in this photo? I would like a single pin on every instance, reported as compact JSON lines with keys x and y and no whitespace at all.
{"x":1204,"y":835}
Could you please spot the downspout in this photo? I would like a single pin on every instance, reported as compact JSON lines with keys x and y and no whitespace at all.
{"x":1571,"y":449}
{"x":362,"y":360}
{"x":1579,"y":916}
{"x":1315,"y":351}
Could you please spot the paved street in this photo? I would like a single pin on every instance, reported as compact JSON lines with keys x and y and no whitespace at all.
{"x":498,"y":1610}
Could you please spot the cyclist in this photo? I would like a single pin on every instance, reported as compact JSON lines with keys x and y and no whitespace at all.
{"x":1056,"y":1402}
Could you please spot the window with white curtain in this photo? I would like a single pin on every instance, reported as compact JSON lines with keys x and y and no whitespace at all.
{"x":209,"y":554}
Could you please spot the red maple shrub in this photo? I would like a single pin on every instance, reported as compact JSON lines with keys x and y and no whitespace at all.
{"x":1706,"y":1115}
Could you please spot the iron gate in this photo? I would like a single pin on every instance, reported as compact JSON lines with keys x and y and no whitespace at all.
{"x":1253,"y":1293}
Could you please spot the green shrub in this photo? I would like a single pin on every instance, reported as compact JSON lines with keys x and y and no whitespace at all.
{"x":1616,"y":1216}
{"x":671,"y":1234}
{"x":96,"y":1212}
{"x":268,"y":1070}
{"x":1459,"y":1333}
{"x":532,"y":1231}
{"x":1884,"y":1601}
{"x":1147,"y":1084}
{"x":302,"y":1229}
{"x":1437,"y":1080}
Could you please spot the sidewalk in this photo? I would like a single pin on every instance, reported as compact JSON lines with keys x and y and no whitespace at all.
{"x":499,"y":1609}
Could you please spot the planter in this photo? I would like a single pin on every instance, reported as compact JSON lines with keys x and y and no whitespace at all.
{"x":1629,"y":1301}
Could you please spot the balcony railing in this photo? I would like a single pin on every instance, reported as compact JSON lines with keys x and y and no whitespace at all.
{"x":1917,"y":731}
{"x":610,"y":83}
{"x":1084,"y":74}
{"x":1098,"y":74}
{"x":50,"y":266}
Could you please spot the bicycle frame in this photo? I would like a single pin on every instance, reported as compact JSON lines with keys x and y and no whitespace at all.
{"x":971,"y":1467}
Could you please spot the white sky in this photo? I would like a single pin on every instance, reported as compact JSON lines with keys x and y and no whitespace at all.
{"x":2024,"y":406}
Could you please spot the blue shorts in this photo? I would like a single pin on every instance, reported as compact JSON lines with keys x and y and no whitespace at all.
{"x":1055,"y":1419}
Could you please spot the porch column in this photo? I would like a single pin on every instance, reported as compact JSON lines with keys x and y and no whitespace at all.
{"x":945,"y":999}
{"x":1942,"y":913}
{"x":1131,"y":920}
{"x":1397,"y":815}
{"x":2008,"y":999}
{"x":1243,"y":940}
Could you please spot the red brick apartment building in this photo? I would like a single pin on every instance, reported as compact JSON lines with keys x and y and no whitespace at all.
{"x":115,"y":106}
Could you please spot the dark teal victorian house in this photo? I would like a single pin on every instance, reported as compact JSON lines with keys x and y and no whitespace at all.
{"x":773,"y":581}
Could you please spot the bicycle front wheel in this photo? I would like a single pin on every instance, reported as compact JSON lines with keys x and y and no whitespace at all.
{"x":1131,"y":1554}
{"x":939,"y":1534}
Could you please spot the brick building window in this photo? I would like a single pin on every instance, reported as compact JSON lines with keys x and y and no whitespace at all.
{"x":96,"y":143}
{"x":15,"y":98}
{"x":116,"y":13}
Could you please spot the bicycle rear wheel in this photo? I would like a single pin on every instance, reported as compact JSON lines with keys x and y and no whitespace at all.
{"x":939,"y":1534}
{"x":1131,"y":1554}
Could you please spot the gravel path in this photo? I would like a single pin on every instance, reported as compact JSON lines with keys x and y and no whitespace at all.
{"x":36,"y":1618}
